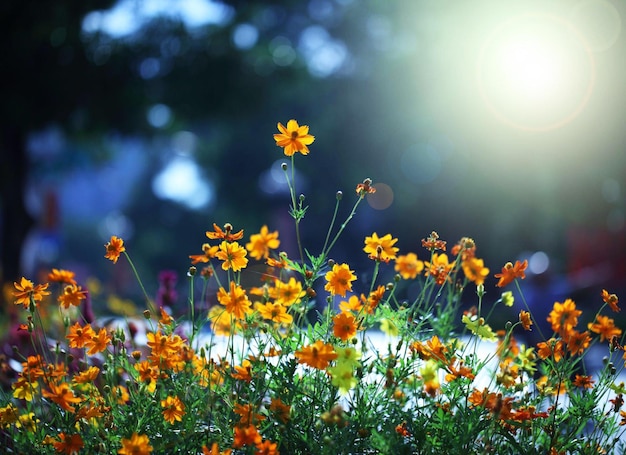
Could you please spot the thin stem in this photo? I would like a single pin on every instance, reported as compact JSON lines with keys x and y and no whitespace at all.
{"x":343,"y":226}
{"x":150,"y":303}
{"x":332,"y":223}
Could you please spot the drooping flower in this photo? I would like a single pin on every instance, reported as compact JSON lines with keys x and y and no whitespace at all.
{"x":507,"y":298}
{"x":317,"y":355}
{"x":62,"y":276}
{"x":209,"y":253}
{"x":344,"y":326}
{"x":339,"y":279}
{"x":173,"y":409}
{"x":235,"y":300}
{"x":26,"y":290}
{"x":294,"y":138}
{"x":87,"y":376}
{"x":226,"y":234}
{"x":243,"y":372}
{"x":72,"y":296}
{"x":552,"y":347}
{"x":432,"y":242}
{"x":114,"y":248}
{"x":381,"y":248}
{"x":260,"y":244}
{"x":135,"y":445}
{"x":611,"y":300}
{"x":365,"y":188}
{"x":408,"y":266}
{"x":510,"y":272}
{"x":525,"y":320}
{"x":233,"y":256}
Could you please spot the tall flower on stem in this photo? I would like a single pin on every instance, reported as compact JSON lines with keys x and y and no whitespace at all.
{"x":26,"y":290}
{"x":339,"y":279}
{"x":233,"y":256}
{"x":114,"y":248}
{"x":294,"y":138}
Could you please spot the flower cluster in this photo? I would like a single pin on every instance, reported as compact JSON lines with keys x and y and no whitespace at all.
{"x":312,"y":356}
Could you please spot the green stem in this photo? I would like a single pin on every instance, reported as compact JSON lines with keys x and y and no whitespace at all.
{"x":151,"y":307}
{"x":343,"y":226}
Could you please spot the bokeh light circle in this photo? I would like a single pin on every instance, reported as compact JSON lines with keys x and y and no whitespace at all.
{"x":535,"y":72}
{"x":599,"y":21}
{"x":382,"y":198}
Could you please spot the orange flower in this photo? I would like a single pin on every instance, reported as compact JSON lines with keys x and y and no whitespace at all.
{"x":87,"y":376}
{"x":236,"y":301}
{"x":246,"y":436}
{"x":576,"y":341}
{"x":408,"y":266}
{"x":280,"y":410}
{"x":288,"y":293}
{"x":344,"y":326}
{"x":266,"y":448}
{"x":564,"y":316}
{"x":226,"y":234}
{"x":136,"y":445}
{"x":586,"y":382}
{"x":611,"y":300}
{"x":62,"y":276}
{"x":294,"y":138}
{"x":605,"y":327}
{"x":173,"y":409}
{"x":26,"y":290}
{"x":524,"y":318}
{"x":511,"y":272}
{"x":114,"y":248}
{"x":362,"y":189}
{"x":72,"y":295}
{"x":552,"y":347}
{"x":61,"y":395}
{"x":381,"y":248}
{"x":215,"y":450}
{"x":439,"y":268}
{"x":209,"y":253}
{"x":247,"y":415}
{"x":339,"y":279}
{"x":69,"y":445}
{"x":475,"y":270}
{"x":275,"y":312}
{"x":260,"y":244}
{"x":352,"y":304}
{"x":98,"y":342}
{"x":317,"y":355}
{"x":78,"y":336}
{"x":233,"y":255}
{"x":433,"y":243}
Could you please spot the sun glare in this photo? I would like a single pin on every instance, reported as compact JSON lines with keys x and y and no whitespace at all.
{"x":536,"y":72}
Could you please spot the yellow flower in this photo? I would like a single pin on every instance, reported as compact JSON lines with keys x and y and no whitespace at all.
{"x":173,"y":409}
{"x":478,"y":327}
{"x":382,"y":248}
{"x":274,"y":312}
{"x":507,"y":298}
{"x":475,"y":270}
{"x":236,"y":301}
{"x":260,"y":244}
{"x":26,"y":290}
{"x":294,"y":138}
{"x":408,"y":266}
{"x":342,"y":378}
{"x":288,"y":293}
{"x":389,"y":327}
{"x":233,"y":255}
{"x":136,"y":445}
{"x":339,"y":279}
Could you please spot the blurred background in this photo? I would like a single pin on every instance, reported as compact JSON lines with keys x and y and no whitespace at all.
{"x":153,"y":119}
